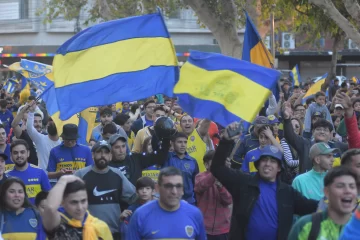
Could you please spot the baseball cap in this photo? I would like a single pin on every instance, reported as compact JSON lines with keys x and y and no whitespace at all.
{"x":101,"y":144}
{"x":317,"y":114}
{"x":116,"y":137}
{"x":3,"y":155}
{"x":271,"y":151}
{"x":273,"y":119}
{"x":339,"y":106}
{"x":321,"y":148}
{"x":261,"y":120}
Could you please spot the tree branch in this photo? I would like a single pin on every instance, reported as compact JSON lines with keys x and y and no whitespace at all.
{"x":353,"y":8}
{"x":333,"y":13}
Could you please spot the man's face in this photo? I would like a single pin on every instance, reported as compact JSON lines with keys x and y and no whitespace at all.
{"x":286,"y":86}
{"x":10,"y":103}
{"x":2,"y":136}
{"x":2,"y":166}
{"x":127,"y":125}
{"x":171,"y":191}
{"x":187,"y":125}
{"x":320,"y":100}
{"x":76,"y":204}
{"x":325,"y":161}
{"x":149,"y":110}
{"x":336,"y":83}
{"x":300,"y":112}
{"x":168,"y":103}
{"x":342,"y":195}
{"x":339,"y":112}
{"x":158,"y":114}
{"x":70,"y":143}
{"x":322,"y":134}
{"x":297,"y":90}
{"x":126,"y":105}
{"x":145,"y":193}
{"x":268,"y":168}
{"x":38,"y":123}
{"x":19,"y":155}
{"x":118,"y":150}
{"x":102,"y":157}
{"x":106,"y":119}
{"x":180,"y":145}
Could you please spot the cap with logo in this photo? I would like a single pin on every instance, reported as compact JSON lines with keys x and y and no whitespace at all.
{"x":273,"y":119}
{"x":116,"y":137}
{"x":101,"y":144}
{"x":321,"y":148}
{"x":317,"y":114}
{"x":261,"y":120}
{"x":270,"y":151}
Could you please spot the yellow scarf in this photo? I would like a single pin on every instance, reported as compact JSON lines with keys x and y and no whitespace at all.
{"x":93,"y":228}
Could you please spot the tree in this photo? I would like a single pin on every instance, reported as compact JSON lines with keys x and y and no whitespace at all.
{"x":222,"y":17}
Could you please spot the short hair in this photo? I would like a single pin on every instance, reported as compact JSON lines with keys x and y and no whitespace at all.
{"x":319,"y":94}
{"x":167,"y":100}
{"x":121,"y":118}
{"x":167,"y":172}
{"x":109,"y":128}
{"x":105,"y":111}
{"x":18,"y":142}
{"x":3,"y":103}
{"x":296,"y":87}
{"x":298,"y":105}
{"x":336,"y":172}
{"x":309,"y":100}
{"x":347,"y":155}
{"x":262,"y":128}
{"x":37,"y":115}
{"x":355,"y":100}
{"x":39,"y":197}
{"x":159,"y":108}
{"x":344,"y":84}
{"x":334,"y":117}
{"x":31,"y":98}
{"x":2,"y":126}
{"x":209,"y":155}
{"x":336,"y":80}
{"x":148,"y":102}
{"x":178,"y":135}
{"x":144,"y":182}
{"x":8,"y":98}
{"x":74,"y":187}
{"x":323,"y":123}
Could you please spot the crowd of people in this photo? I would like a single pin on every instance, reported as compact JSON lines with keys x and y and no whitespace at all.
{"x":294,"y":174}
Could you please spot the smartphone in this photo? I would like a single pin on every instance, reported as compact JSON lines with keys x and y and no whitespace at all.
{"x":237,"y":131}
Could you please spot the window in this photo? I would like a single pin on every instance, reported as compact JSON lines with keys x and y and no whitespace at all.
{"x":14,"y":9}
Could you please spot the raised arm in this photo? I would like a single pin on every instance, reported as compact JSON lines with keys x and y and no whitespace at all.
{"x":33,"y":133}
{"x":15,"y":123}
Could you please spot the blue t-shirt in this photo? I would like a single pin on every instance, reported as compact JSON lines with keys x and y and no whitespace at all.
{"x":148,"y":123}
{"x":26,"y":225}
{"x":189,"y":169}
{"x":74,"y":158}
{"x":263,"y":223}
{"x":35,"y":180}
{"x":184,"y":223}
{"x":250,"y":158}
{"x":6,"y":119}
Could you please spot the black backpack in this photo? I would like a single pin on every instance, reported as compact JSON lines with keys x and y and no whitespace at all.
{"x":315,"y":225}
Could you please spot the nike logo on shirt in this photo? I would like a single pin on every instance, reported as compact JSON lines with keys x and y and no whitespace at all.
{"x":100,"y":193}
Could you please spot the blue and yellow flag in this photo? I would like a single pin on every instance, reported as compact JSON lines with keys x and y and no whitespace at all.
{"x":86,"y":124}
{"x":295,"y":75}
{"x":223,"y":89}
{"x":355,"y":80}
{"x":120,"y":60}
{"x":10,"y":85}
{"x":316,"y":87}
{"x":254,"y":49}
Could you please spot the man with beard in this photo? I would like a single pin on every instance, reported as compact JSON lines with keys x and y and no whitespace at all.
{"x":106,"y":187}
{"x":34,"y":178}
{"x":43,"y":143}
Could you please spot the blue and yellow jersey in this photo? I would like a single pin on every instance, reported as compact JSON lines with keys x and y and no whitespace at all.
{"x":184,"y":223}
{"x":8,"y":163}
{"x":23,"y":226}
{"x":248,"y":163}
{"x":34,"y":178}
{"x":74,"y":158}
{"x":152,"y":172}
{"x":131,"y":140}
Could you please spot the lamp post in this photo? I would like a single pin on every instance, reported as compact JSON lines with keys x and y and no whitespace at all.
{"x":272,"y":30}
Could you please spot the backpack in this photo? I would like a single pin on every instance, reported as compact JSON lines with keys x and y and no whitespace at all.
{"x":315,"y":225}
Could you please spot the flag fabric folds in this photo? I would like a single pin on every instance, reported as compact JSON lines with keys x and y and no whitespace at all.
{"x":223,"y":89}
{"x":254,"y":49}
{"x":10,"y":85}
{"x":121,"y":60}
{"x":295,"y":75}
{"x":316,"y":87}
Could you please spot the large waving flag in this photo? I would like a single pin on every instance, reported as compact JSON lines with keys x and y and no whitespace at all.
{"x":295,"y":75}
{"x":223,"y":89}
{"x":316,"y":87}
{"x":120,"y":60}
{"x":254,"y":49}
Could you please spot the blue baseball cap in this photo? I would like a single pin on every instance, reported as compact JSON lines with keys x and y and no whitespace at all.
{"x":271,"y":151}
{"x":273,"y":119}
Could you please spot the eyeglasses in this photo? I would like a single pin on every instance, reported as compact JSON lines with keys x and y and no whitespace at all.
{"x":169,"y":186}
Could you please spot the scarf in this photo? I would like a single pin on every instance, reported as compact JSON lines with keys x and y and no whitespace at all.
{"x":93,"y":228}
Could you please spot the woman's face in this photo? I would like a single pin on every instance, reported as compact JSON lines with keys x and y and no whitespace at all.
{"x":296,"y":126}
{"x":276,"y":128}
{"x":15,"y":197}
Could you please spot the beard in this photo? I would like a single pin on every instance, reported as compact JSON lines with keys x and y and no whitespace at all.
{"x":100,"y":164}
{"x":20,"y":164}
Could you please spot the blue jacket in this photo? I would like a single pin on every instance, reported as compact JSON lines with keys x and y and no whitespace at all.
{"x":250,"y":142}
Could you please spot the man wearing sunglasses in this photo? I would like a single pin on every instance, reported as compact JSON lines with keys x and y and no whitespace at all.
{"x":183,"y":221}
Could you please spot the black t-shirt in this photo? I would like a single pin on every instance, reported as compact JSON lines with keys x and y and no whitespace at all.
{"x":33,"y":159}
